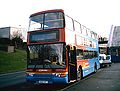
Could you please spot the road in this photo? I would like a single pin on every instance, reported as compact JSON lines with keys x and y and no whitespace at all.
{"x":106,"y":79}
{"x":12,"y":78}
{"x":16,"y":82}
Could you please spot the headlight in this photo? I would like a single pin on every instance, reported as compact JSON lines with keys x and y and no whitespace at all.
{"x":30,"y":74}
{"x":60,"y":74}
{"x":101,"y":61}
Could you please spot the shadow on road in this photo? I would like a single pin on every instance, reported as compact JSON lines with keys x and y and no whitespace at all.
{"x":32,"y":87}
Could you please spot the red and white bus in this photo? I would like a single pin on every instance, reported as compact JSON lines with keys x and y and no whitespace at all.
{"x":59,"y":48}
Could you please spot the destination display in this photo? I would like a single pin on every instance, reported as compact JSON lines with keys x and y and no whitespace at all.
{"x":44,"y":36}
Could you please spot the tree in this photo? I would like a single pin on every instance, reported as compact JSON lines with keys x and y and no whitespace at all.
{"x":17,"y":42}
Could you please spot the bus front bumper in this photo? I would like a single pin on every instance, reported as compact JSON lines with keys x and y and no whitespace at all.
{"x":46,"y":79}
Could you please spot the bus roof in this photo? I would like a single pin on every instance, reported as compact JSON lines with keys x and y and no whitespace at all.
{"x":53,"y":10}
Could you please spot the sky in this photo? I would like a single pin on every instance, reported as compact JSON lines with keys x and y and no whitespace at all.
{"x":97,"y":15}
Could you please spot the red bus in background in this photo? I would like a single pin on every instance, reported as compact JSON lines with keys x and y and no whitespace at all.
{"x":59,"y":49}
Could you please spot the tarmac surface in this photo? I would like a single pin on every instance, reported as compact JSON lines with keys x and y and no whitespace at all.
{"x":106,"y":79}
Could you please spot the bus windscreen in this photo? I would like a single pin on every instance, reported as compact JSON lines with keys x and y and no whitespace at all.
{"x":46,"y":56}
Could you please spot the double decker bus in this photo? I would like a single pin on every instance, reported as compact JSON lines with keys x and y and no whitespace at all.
{"x":59,"y":49}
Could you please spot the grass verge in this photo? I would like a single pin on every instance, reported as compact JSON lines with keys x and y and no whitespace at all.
{"x":11,"y":62}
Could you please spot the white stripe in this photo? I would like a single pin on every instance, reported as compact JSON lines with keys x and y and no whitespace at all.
{"x":12,"y":73}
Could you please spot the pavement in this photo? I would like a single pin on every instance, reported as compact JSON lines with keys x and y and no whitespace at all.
{"x":106,"y":79}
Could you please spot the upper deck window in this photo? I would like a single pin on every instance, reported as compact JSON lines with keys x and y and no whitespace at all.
{"x":48,"y":20}
{"x":69,"y":23}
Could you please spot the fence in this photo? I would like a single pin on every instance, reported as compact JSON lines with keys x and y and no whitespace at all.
{"x":115,"y":59}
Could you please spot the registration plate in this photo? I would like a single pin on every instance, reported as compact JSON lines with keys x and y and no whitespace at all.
{"x":43,"y":82}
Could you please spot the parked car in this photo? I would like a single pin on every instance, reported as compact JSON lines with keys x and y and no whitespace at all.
{"x":105,"y":60}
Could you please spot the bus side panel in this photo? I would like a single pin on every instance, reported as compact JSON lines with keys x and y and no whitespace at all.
{"x":90,"y":69}
{"x":87,"y":70}
{"x":85,"y":66}
{"x":92,"y":63}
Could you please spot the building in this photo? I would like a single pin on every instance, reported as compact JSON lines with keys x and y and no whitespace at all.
{"x":11,"y":32}
{"x":6,"y":36}
{"x":114,"y":43}
{"x":103,"y":41}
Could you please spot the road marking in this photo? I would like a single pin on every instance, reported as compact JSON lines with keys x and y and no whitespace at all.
{"x":12,"y":73}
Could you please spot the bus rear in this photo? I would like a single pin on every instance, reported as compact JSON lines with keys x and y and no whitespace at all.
{"x":46,"y":59}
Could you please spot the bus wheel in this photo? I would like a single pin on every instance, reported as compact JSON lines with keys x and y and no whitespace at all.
{"x":95,"y":68}
{"x":79,"y":74}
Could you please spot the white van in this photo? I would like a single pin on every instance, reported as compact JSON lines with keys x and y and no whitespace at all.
{"x":105,"y":60}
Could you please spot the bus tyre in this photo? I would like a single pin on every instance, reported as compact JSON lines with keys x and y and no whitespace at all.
{"x":79,"y":74}
{"x":95,"y":68}
{"x":109,"y":65}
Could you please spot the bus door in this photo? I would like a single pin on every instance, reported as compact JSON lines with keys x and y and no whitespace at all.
{"x":72,"y":64}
